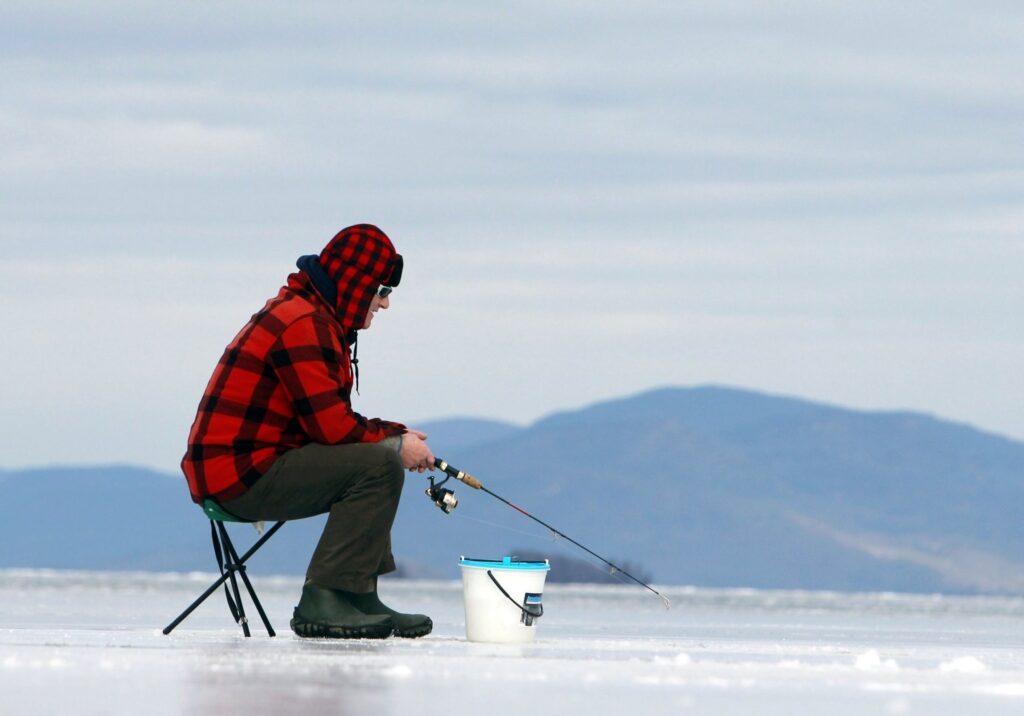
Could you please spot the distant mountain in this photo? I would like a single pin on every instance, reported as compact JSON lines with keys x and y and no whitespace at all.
{"x":709,"y":486}
{"x":725,"y":487}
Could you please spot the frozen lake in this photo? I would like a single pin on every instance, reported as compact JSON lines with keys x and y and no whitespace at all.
{"x":90,"y":643}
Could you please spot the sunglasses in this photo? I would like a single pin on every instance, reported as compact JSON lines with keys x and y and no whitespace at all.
{"x":384,"y":291}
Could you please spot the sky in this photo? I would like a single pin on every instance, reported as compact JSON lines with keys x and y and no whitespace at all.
{"x":819,"y":199}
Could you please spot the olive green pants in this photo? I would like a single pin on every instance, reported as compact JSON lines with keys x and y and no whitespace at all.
{"x":358,"y":485}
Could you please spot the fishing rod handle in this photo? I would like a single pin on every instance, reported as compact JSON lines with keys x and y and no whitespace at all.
{"x":457,"y":473}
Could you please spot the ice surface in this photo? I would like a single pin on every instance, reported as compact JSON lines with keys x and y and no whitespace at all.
{"x":90,"y":643}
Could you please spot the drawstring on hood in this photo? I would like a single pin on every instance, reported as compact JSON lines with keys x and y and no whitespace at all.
{"x":347,"y":273}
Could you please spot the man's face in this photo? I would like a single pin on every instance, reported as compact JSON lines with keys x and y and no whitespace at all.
{"x":376,"y":304}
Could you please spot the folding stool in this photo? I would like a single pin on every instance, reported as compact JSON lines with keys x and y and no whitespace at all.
{"x":228,"y":562}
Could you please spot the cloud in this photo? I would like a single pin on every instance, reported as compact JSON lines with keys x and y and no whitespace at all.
{"x":817,"y":199}
{"x":40,"y":147}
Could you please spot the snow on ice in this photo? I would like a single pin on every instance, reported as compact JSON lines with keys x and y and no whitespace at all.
{"x":90,"y":643}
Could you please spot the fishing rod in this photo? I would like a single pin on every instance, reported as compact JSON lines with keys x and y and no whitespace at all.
{"x":446,"y":500}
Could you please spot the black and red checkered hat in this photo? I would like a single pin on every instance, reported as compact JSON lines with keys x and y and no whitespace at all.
{"x":358,"y":260}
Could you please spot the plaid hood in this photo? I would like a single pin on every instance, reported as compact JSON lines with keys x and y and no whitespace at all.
{"x":347,"y":273}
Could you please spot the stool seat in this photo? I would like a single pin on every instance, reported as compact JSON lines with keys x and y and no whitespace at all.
{"x":218,"y":514}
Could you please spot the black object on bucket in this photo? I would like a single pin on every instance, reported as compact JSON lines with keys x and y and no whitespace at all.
{"x":531,"y":607}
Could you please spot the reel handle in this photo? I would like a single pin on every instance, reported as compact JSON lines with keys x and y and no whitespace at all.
{"x":458,"y":474}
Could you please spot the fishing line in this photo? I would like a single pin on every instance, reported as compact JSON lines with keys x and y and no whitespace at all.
{"x":445,"y":499}
{"x":500,"y":526}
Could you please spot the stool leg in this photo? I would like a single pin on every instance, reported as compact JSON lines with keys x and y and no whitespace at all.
{"x":192,"y":607}
{"x":252,"y":592}
{"x":224,"y":577}
{"x":232,"y":566}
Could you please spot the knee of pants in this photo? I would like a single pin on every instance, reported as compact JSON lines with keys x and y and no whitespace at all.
{"x":391,"y":472}
{"x":396,"y":471}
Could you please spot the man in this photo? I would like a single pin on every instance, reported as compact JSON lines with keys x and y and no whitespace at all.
{"x":275,"y":437}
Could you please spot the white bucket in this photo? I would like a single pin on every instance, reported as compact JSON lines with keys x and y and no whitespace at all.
{"x":503,"y":599}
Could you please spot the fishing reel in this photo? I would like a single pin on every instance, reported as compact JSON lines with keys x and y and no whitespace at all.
{"x":441,"y":496}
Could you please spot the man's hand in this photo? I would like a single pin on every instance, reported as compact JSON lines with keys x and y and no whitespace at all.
{"x":415,"y":454}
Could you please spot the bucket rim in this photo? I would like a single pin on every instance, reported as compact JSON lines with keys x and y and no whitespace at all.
{"x":504,"y":563}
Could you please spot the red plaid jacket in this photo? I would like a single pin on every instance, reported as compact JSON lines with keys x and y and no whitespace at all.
{"x":285,"y":379}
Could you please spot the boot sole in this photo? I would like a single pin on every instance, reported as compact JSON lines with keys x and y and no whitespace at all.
{"x":414,"y":632}
{"x":317,"y":630}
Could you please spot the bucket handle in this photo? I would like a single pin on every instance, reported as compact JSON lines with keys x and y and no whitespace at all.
{"x":530,"y":611}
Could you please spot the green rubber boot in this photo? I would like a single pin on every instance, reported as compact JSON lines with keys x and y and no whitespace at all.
{"x":406,"y":625}
{"x":329,"y":613}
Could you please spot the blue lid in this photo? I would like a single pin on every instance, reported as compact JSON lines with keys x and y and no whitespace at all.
{"x":505,"y":563}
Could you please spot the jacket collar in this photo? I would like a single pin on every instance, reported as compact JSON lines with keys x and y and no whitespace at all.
{"x":321,"y":281}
